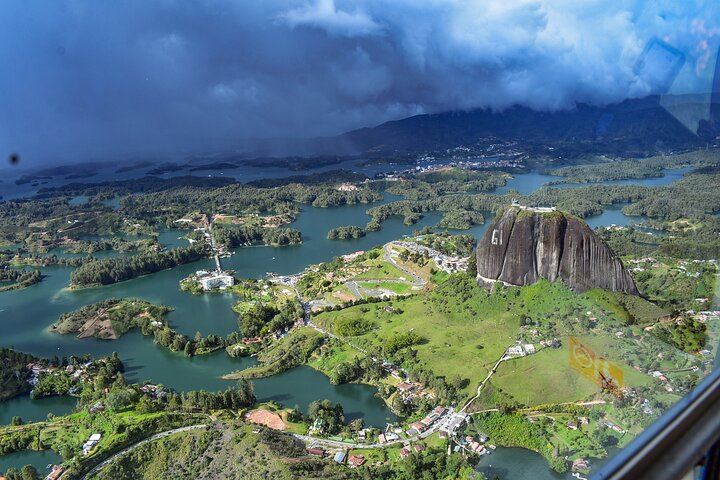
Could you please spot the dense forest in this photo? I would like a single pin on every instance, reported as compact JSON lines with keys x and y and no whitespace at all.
{"x":118,"y":269}
{"x":19,"y":278}
{"x":437,"y":183}
{"x":236,"y":236}
{"x":114,"y":243}
{"x":13,"y":373}
{"x":262,"y":318}
{"x":447,"y":244}
{"x":633,"y":169}
{"x":343,"y":233}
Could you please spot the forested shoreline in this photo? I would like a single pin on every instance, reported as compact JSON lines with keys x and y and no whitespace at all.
{"x":236,"y":236}
{"x":118,"y":269}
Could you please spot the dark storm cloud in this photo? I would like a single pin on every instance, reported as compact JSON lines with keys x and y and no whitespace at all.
{"x":105,"y":80}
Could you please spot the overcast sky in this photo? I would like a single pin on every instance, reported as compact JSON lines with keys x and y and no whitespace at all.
{"x":107,"y":80}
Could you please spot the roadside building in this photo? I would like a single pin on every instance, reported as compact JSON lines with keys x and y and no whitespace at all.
{"x":317,"y":451}
{"x":339,"y":457}
{"x":404,"y":452}
{"x":416,"y":428}
{"x":91,"y":443}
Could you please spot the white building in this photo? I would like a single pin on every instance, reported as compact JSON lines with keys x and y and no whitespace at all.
{"x":516,"y":350}
{"x":90,"y":444}
{"x":217,"y":281}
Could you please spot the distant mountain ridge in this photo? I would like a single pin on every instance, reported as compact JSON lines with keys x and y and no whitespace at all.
{"x":634,"y":127}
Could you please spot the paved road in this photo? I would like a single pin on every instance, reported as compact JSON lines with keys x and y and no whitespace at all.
{"x":389,"y":258}
{"x":353,"y":287}
{"x":157,"y":436}
{"x":333,"y":443}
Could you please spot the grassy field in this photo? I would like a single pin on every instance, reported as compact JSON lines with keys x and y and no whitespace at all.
{"x":451,"y":336}
{"x":380,"y":270}
{"x":332,"y":354}
{"x":399,"y":288}
{"x":465,"y":329}
{"x":547,"y":376}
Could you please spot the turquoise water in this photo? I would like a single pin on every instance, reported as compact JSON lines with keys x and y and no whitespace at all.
{"x":26,"y":314}
{"x":527,"y":183}
{"x":518,"y":464}
{"x":39,"y":460}
{"x":35,"y":410}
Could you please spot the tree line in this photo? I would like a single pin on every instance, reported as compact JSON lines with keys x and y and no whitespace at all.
{"x":112,"y":270}
{"x":343,"y":233}
{"x":235,"y":236}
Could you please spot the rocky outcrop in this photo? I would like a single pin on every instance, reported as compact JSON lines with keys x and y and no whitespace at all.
{"x":525,"y":245}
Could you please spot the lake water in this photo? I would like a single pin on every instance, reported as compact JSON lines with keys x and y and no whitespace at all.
{"x":25,"y":315}
{"x":518,"y":464}
{"x":39,"y":460}
{"x":35,"y":410}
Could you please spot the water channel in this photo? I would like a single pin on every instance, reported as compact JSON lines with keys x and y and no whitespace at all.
{"x":25,"y":315}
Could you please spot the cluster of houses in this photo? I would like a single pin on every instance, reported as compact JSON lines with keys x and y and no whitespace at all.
{"x":650,"y":262}
{"x":91,"y":443}
{"x":574,"y":425}
{"x":447,"y":263}
{"x":476,"y":445}
{"x":613,"y":426}
{"x":388,"y":436}
{"x":406,"y":450}
{"x":353,"y":461}
{"x":347,"y":187}
{"x":37,"y":369}
{"x":411,"y":390}
{"x":153,"y":391}
{"x":666,"y":382}
{"x":705,"y":315}
{"x":419,"y":427}
{"x":352,"y":256}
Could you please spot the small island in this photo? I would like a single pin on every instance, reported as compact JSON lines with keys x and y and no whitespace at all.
{"x":110,"y":319}
{"x":12,"y":279}
{"x":343,"y":233}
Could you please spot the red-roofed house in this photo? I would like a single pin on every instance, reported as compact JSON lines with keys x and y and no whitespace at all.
{"x":404,"y":452}
{"x":405,"y":386}
{"x":356,"y":460}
